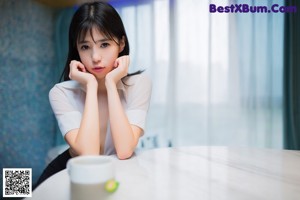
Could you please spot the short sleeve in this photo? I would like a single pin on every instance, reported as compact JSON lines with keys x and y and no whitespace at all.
{"x":138,"y":100}
{"x":67,"y":116}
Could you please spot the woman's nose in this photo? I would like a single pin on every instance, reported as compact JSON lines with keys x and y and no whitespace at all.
{"x":96,"y":56}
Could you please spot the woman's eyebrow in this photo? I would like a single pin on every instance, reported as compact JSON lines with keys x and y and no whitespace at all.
{"x":101,"y":40}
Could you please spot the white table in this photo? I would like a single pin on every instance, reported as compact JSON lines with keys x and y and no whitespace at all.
{"x":201,"y":173}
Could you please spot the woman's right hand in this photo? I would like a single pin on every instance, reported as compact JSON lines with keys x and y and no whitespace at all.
{"x":80,"y":74}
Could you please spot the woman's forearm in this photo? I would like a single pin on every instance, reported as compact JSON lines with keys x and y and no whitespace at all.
{"x":122,"y":132}
{"x":88,"y":137}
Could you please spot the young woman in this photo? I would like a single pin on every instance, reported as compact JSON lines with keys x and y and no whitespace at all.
{"x":100,"y":108}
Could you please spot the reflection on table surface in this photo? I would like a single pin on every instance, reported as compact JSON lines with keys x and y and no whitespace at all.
{"x":197,"y":173}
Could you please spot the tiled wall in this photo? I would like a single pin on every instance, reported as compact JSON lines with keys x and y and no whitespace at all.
{"x":27,"y":62}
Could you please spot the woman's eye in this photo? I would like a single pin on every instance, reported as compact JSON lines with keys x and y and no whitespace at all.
{"x":104,"y":45}
{"x":84,"y":47}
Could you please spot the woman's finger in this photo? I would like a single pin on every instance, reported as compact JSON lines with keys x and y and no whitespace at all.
{"x":127,"y":61}
{"x":80,"y":67}
{"x":75,"y":67}
{"x":116,"y":64}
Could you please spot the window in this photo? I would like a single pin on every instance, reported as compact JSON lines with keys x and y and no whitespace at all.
{"x":217,"y":77}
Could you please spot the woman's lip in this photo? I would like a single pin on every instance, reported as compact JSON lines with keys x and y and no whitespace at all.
{"x":98,"y":69}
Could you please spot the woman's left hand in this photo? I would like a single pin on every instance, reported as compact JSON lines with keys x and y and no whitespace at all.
{"x":120,"y":69}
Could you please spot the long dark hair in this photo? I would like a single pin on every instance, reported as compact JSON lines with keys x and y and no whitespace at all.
{"x":102,"y":16}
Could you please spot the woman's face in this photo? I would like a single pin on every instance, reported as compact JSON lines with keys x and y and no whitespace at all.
{"x":99,"y":53}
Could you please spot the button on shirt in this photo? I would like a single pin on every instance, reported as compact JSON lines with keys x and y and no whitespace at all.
{"x":67,"y":102}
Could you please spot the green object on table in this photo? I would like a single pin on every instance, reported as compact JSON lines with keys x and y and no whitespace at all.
{"x":111,"y":186}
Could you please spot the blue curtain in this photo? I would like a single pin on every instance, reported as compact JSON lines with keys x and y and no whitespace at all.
{"x":27,"y":59}
{"x":62,"y":24}
{"x":292,"y":79}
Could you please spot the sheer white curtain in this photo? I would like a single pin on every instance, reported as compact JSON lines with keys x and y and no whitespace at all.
{"x":217,"y":78}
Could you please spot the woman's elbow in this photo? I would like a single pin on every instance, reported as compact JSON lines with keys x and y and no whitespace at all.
{"x":123,"y":155}
{"x":87,"y":151}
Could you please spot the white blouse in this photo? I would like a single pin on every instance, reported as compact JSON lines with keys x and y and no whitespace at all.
{"x":67,"y":102}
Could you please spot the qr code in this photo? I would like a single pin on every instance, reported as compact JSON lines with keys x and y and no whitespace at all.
{"x":17,"y":182}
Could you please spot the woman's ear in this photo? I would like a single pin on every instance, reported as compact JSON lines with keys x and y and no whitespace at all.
{"x":122,"y":44}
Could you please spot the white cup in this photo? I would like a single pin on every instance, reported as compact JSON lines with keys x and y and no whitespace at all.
{"x":88,"y":175}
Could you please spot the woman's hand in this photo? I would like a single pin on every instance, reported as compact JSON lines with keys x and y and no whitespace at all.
{"x":79,"y":73}
{"x":120,"y":70}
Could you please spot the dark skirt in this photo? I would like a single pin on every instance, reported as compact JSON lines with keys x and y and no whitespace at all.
{"x":58,"y":164}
